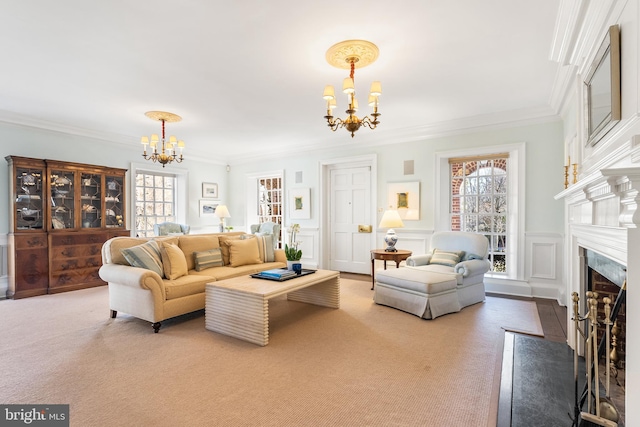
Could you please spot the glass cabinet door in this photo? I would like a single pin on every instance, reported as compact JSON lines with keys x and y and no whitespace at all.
{"x":114,"y":201}
{"x":62,"y":199}
{"x":29,"y":198}
{"x":91,"y":200}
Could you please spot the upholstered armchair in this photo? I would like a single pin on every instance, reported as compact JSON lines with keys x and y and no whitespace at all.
{"x":170,"y":228}
{"x":268,"y":227}
{"x":445,"y":280}
{"x":470,"y":269}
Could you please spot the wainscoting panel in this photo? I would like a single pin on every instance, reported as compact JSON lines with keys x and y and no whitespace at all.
{"x":543,"y":265}
{"x":309,"y":244}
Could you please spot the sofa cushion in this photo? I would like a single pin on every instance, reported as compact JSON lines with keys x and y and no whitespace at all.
{"x":173,"y":261}
{"x":224,"y":245}
{"x":417,"y":279}
{"x":190,"y":243}
{"x":208,"y":259}
{"x":265,"y":246}
{"x":146,"y":255}
{"x":448,"y":258}
{"x":186,"y":285}
{"x":243,"y":252}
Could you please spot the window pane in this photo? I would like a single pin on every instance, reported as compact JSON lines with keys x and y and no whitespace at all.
{"x":470,"y":205}
{"x":485,"y":205}
{"x":470,"y":223}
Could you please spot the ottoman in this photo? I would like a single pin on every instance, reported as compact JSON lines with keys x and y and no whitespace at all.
{"x":426,"y":294}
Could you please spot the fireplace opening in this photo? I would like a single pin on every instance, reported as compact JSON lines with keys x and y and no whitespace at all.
{"x":607,"y":278}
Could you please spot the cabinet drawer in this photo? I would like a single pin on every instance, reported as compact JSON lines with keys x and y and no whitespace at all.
{"x":74,"y":263}
{"x":59,"y":239}
{"x":75,"y":277}
{"x":61,"y":253}
{"x":30,"y":241}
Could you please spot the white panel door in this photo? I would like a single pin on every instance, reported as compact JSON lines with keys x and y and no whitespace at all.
{"x":349,"y":207}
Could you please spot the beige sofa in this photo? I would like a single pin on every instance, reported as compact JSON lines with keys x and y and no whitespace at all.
{"x":143,"y":293}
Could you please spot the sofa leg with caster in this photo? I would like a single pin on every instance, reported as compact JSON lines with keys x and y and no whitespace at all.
{"x":156,"y":326}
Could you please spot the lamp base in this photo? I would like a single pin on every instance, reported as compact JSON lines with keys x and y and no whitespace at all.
{"x":391,"y":239}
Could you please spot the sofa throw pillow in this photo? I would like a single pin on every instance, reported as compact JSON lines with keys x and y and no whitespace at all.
{"x":265,"y":246}
{"x":448,"y":258}
{"x":174,"y":263}
{"x":224,"y":245}
{"x":208,"y":259}
{"x":146,"y":255}
{"x":243,"y":252}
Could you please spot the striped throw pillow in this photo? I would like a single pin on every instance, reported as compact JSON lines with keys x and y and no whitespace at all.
{"x":265,"y":246}
{"x":146,"y":255}
{"x":445,"y":257}
{"x":208,"y":259}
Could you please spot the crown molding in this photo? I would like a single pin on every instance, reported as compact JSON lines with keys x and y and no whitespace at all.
{"x":484,"y":122}
{"x":381,"y":137}
{"x":568,"y":25}
{"x":15,"y":119}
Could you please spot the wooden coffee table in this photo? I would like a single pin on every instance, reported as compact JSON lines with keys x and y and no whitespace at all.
{"x":239,"y":307}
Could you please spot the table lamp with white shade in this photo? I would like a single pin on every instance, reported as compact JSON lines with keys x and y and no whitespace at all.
{"x":391,"y":219}
{"x":222,"y":212}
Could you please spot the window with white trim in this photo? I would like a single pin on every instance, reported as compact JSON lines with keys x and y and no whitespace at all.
{"x":155,"y":201}
{"x":270,"y":208}
{"x":479,"y":202}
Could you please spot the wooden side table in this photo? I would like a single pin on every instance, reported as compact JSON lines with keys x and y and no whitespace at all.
{"x":398,"y":256}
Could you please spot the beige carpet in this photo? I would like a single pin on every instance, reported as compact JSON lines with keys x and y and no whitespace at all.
{"x":360,"y":365}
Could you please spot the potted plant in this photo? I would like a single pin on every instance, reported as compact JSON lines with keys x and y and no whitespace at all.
{"x":291,"y":250}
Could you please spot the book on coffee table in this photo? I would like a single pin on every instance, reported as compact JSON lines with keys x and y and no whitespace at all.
{"x":278,"y":273}
{"x":281,"y":274}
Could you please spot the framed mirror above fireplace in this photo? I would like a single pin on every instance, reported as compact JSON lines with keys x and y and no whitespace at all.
{"x":602,"y":88}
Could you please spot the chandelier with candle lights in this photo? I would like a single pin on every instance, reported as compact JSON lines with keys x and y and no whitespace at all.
{"x":352,"y":54}
{"x":162,"y":151}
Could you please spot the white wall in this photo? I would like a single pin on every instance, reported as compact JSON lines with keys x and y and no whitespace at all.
{"x":543,"y":272}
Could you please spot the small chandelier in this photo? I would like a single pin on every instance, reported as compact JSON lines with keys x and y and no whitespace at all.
{"x":350,"y":54}
{"x":167,"y":153}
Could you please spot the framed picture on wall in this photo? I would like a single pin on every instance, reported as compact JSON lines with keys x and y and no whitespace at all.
{"x":207,"y":207}
{"x":209,"y":190}
{"x":300,"y":203}
{"x":405,"y":198}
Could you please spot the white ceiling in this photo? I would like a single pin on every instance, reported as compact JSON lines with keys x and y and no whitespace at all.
{"x":247,"y":76}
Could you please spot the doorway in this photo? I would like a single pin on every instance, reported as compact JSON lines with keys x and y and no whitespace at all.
{"x":348,"y":201}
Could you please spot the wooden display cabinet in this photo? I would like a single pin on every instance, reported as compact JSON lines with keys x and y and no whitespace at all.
{"x":62,"y":213}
